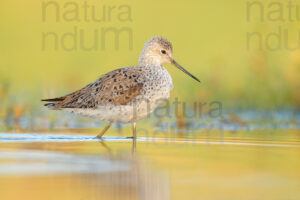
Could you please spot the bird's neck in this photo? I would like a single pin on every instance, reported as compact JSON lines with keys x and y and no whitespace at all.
{"x":146,"y":59}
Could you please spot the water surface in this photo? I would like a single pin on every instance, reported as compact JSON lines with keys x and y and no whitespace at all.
{"x":260,"y":164}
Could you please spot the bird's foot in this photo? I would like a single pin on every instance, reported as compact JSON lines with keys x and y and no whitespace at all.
{"x":131,"y":137}
{"x":99,"y":138}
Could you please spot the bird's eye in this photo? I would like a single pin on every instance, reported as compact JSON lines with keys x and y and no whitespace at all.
{"x":163,"y":52}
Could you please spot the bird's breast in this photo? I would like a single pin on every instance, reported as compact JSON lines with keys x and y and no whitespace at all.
{"x":157,"y":84}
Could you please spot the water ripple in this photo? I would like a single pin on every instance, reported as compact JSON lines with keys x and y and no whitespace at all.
{"x":35,"y":137}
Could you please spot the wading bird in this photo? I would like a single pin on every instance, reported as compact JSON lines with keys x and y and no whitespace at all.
{"x":126,"y":94}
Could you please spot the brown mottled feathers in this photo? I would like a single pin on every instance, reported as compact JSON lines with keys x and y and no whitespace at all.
{"x":118,"y":87}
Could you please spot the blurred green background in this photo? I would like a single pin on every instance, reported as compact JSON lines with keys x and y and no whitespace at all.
{"x":239,"y":49}
{"x":210,"y":39}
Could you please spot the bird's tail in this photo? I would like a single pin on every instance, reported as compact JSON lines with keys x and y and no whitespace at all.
{"x":53,"y":103}
{"x":50,"y":105}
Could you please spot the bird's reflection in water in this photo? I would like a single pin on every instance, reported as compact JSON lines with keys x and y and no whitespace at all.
{"x":133,"y":150}
{"x":139,"y":182}
{"x":58,"y":175}
{"x":109,"y":150}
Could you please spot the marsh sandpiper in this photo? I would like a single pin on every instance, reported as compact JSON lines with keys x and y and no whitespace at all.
{"x":127,"y":94}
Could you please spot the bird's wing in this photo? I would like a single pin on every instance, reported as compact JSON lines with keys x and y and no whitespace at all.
{"x":118,"y":87}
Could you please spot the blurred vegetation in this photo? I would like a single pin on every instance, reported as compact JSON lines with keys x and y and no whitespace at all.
{"x":209,"y":39}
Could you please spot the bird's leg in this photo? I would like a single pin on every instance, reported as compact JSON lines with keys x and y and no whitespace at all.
{"x":104,"y":130}
{"x":133,"y":130}
{"x":133,"y":138}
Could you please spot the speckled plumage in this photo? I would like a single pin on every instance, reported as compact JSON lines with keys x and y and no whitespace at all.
{"x":126,"y":94}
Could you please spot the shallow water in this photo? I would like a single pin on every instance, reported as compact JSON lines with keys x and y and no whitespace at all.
{"x":260,"y":164}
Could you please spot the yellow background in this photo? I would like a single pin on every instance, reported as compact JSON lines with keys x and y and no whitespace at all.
{"x":209,"y":39}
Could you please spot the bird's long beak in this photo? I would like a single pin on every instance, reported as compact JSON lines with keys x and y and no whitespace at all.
{"x":182,"y":69}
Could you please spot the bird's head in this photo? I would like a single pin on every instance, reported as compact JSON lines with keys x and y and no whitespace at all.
{"x":158,"y":51}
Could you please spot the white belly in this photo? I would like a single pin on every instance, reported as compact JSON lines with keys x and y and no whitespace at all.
{"x":134,"y":111}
